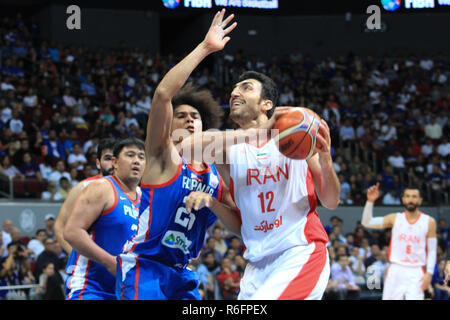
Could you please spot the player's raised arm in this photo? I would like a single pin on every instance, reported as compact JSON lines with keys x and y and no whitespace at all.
{"x":95,"y":199}
{"x":368,"y":220}
{"x":326,"y":182}
{"x":161,"y":113}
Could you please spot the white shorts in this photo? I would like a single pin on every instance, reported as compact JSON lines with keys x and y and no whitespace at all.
{"x":403,"y":283}
{"x":299,"y":273}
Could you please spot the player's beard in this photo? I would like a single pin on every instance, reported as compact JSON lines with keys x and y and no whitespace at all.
{"x":107,"y":172}
{"x":411,"y":207}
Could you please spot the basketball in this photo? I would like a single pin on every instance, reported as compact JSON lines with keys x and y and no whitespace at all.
{"x":297,"y":133}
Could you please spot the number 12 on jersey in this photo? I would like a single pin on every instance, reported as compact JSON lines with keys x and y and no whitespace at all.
{"x":267,"y":197}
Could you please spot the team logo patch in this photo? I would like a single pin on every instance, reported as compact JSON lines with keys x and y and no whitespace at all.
{"x":177,"y":240}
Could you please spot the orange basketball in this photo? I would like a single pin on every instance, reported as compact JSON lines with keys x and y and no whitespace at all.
{"x":297,"y":133}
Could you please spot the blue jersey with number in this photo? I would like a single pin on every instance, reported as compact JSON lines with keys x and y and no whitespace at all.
{"x":166,"y":232}
{"x":110,"y":231}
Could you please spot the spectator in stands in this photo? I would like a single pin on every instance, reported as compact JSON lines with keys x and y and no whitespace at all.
{"x":29,"y":167}
{"x":228,"y":280}
{"x":36,"y":245}
{"x":50,"y":226}
{"x":77,"y":159}
{"x":236,"y":244}
{"x":211,"y":246}
{"x":380,"y":265}
{"x":64,"y":189}
{"x":356,"y":263}
{"x":15,"y":270}
{"x":391,"y":198}
{"x":207,"y":272}
{"x":220,"y":244}
{"x":342,"y":275}
{"x":50,"y":254}
{"x":441,"y":291}
{"x":347,"y":131}
{"x":50,"y":193}
{"x":57,"y":174}
{"x":51,"y":283}
{"x":53,"y":146}
{"x":433,"y":130}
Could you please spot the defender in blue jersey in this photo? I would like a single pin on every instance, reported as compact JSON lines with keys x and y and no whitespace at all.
{"x":178,"y":196}
{"x":103,"y":218}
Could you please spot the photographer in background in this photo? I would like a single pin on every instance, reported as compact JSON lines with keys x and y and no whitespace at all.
{"x":15,"y":270}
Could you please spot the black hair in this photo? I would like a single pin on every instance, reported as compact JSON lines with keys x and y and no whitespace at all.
{"x":127,"y":142}
{"x":210,"y":111}
{"x":269,"y":90}
{"x":104,"y":144}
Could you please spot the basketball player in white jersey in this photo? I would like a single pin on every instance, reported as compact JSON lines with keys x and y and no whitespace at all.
{"x":413,"y":246}
{"x":276,"y":197}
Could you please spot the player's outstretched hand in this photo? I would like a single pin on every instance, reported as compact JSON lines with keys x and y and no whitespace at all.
{"x":217,"y":38}
{"x":323,"y":143}
{"x":197,"y":200}
{"x":372,"y":193}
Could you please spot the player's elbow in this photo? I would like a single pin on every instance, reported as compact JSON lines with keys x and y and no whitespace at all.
{"x":69,"y":234}
{"x":331,"y":204}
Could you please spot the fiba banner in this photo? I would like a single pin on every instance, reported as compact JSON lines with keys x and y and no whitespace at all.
{"x":208,"y":4}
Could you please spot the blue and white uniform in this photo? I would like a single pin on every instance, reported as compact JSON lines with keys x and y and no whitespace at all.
{"x":153,"y":264}
{"x":90,"y":280}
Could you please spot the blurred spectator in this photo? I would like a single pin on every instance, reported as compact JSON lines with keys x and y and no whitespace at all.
{"x":57,"y":174}
{"x":228,"y":280}
{"x":211,"y":246}
{"x":63,"y":191}
{"x":77,"y":159}
{"x":29,"y":167}
{"x":220,"y":244}
{"x":51,"y":283}
{"x":50,"y":226}
{"x":391,"y":198}
{"x":207,"y":271}
{"x":342,"y":275}
{"x":36,"y":245}
{"x":6,"y":234}
{"x":441,"y":291}
{"x":50,"y":254}
{"x":378,"y":268}
{"x":356,"y":263}
{"x":15,"y":270}
{"x":433,"y":130}
{"x":51,"y":193}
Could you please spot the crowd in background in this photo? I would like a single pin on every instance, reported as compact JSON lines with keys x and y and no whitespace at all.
{"x":358,"y":261}
{"x":388,"y":115}
{"x":388,"y":118}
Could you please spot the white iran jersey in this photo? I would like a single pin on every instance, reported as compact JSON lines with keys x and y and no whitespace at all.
{"x":276,"y":199}
{"x":409,"y":240}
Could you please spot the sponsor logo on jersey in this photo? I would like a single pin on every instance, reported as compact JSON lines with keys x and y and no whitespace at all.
{"x":176,"y":240}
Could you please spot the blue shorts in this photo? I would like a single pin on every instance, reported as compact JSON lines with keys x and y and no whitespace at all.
{"x":144,"y":279}
{"x":88,"y":292}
